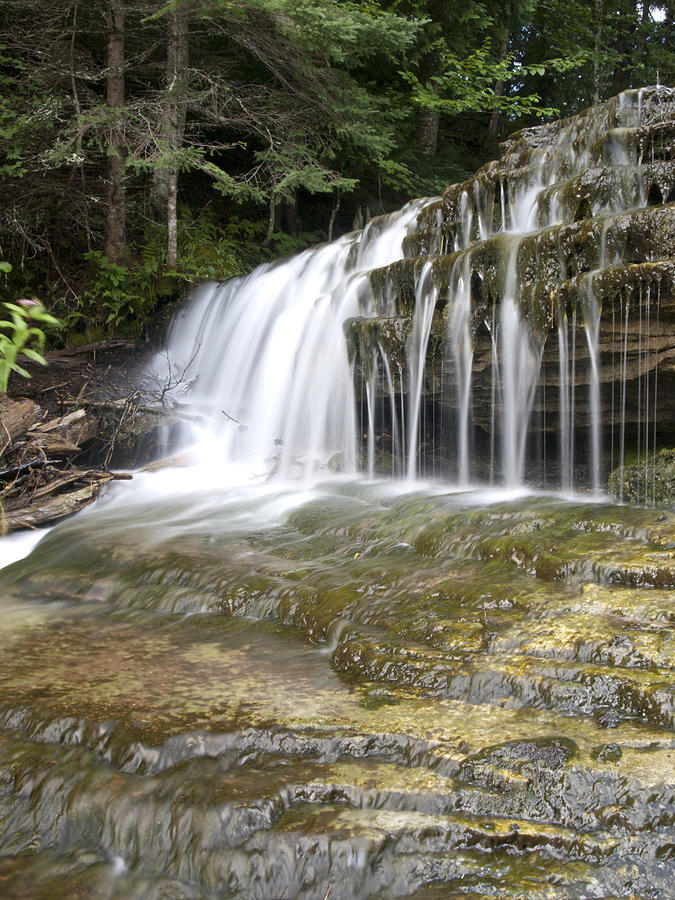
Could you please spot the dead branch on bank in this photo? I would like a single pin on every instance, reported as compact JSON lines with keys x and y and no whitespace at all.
{"x":109,"y":415}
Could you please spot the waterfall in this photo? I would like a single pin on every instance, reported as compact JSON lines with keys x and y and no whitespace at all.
{"x":324,"y":362}
{"x":592,"y":331}
{"x":520,"y":363}
{"x":461,"y":348}
{"x":521,"y":358}
{"x":266,"y":359}
{"x":565,"y":424}
{"x":370,"y":407}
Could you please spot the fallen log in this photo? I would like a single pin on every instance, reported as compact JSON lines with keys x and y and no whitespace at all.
{"x":16,"y":417}
{"x":65,"y":435}
{"x":56,"y":446}
{"x":57,"y":484}
{"x":168,"y":462}
{"x":111,"y":344}
{"x":52,"y":508}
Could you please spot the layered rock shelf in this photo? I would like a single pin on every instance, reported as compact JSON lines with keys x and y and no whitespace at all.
{"x":383,"y":697}
{"x":575,"y":220}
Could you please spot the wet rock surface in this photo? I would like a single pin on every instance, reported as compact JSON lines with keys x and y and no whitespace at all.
{"x":574,"y":224}
{"x":381,"y":693}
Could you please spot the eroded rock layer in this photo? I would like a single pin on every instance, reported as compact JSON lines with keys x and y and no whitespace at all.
{"x":570,"y":234}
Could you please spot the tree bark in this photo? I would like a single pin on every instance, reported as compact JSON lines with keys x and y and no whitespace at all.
{"x":165,"y":178}
{"x":599,"y":15}
{"x":115,"y":240}
{"x":426,"y":131}
{"x":53,"y":508}
{"x":427,"y":120}
{"x":499,"y":90}
{"x":640,"y":69}
{"x":172,"y":218}
{"x":271,"y":221}
{"x":625,"y":13}
{"x":333,"y":215}
{"x":289,"y":211}
{"x":16,"y":417}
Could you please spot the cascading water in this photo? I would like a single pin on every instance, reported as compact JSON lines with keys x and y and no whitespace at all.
{"x":265,"y":357}
{"x":592,"y":331}
{"x":269,"y":357}
{"x":425,"y":302}
{"x":544,"y":237}
{"x":461,"y":351}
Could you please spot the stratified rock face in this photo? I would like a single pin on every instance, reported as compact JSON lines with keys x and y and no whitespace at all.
{"x":553,"y":270}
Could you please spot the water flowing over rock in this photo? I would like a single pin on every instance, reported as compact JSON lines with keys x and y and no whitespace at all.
{"x":274,"y":674}
{"x":551,"y":353}
{"x":519,"y":328}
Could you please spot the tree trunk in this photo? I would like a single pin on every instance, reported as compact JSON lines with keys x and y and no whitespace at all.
{"x":625,"y":14}
{"x":165,"y":178}
{"x":640,"y":68}
{"x":115,"y":240}
{"x":271,"y":221}
{"x":499,"y":90}
{"x":599,"y":16}
{"x":426,"y":131}
{"x":333,"y":215}
{"x":427,"y":120}
{"x":289,"y":211}
{"x":172,"y":219}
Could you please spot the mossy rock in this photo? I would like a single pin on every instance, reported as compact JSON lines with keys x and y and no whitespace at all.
{"x":649,"y":485}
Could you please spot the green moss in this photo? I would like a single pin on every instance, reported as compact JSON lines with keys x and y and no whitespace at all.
{"x":652,"y":484}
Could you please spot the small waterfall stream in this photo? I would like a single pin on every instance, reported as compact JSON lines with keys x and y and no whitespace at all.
{"x":298,"y":668}
{"x":264,"y":358}
{"x":425,"y":302}
{"x":291,"y":367}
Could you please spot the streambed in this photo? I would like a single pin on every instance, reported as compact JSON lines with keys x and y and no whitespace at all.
{"x":360,"y":690}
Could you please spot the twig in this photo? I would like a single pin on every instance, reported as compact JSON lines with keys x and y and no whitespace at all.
{"x":82,"y":390}
{"x":230,"y":418}
{"x":53,"y":387}
{"x":13,"y":470}
{"x":9,"y":438}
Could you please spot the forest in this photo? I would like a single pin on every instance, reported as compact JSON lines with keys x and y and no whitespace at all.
{"x":145,"y":146}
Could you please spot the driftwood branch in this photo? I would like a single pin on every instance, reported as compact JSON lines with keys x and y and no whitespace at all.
{"x":22,"y":467}
{"x":36,"y":489}
{"x":52,"y":507}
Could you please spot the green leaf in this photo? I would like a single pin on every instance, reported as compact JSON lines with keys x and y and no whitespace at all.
{"x":34,"y":355}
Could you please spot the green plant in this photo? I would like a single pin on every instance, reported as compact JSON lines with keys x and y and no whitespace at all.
{"x":120,"y":294}
{"x":20,"y":338}
{"x":111,"y":296}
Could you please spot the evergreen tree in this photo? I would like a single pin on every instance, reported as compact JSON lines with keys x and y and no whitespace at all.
{"x":288,"y":110}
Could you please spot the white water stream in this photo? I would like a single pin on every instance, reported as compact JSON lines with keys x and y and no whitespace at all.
{"x":264,"y":363}
{"x":265,"y":356}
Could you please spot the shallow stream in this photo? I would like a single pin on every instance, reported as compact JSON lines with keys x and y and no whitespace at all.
{"x":356,"y":691}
